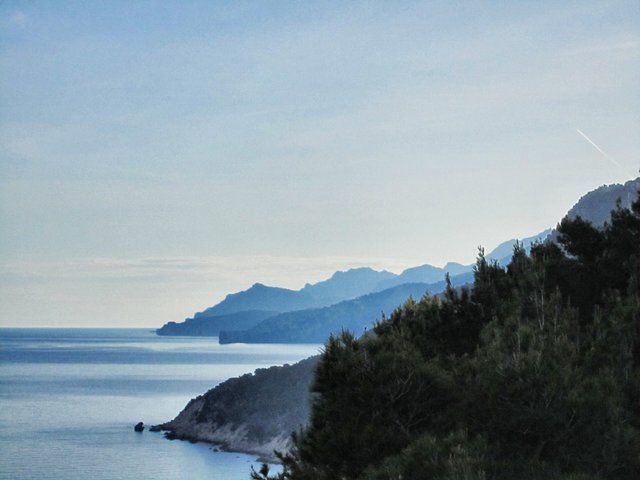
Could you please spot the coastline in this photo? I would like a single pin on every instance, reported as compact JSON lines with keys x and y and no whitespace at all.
{"x":261,"y":453}
{"x":228,"y":437}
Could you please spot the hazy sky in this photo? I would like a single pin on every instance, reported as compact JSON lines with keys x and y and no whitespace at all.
{"x":155,"y":156}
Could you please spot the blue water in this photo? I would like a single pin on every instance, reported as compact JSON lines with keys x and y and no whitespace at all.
{"x":69,"y":399}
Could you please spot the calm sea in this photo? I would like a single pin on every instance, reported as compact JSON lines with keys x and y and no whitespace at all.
{"x":69,"y":399}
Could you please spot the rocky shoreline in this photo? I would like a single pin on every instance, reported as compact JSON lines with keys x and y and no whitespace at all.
{"x":260,"y":454}
{"x":228,"y":438}
{"x":253,"y":414}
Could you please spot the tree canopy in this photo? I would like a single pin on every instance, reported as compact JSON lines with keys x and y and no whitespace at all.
{"x":531,"y":373}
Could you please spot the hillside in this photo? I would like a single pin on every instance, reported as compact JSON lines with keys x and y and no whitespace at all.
{"x":250,"y":413}
{"x":596,"y":205}
{"x":315,"y":325}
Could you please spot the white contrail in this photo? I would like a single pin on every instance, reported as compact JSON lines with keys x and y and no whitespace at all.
{"x":606,"y":155}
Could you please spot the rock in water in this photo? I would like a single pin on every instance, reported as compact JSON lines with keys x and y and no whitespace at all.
{"x":139,"y":427}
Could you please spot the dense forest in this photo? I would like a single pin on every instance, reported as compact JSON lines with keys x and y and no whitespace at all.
{"x":533,"y":372}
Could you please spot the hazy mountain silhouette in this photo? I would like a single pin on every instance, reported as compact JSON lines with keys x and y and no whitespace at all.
{"x":210,"y":326}
{"x":261,"y":297}
{"x":350,"y":284}
{"x":421,"y":274}
{"x":242,"y":310}
{"x":350,"y":299}
{"x":502,"y":253}
{"x":315,"y":325}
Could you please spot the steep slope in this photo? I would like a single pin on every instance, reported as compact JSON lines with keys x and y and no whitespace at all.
{"x":596,"y":205}
{"x":250,"y":413}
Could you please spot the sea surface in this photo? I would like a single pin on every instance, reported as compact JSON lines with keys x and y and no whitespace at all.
{"x":69,"y":399}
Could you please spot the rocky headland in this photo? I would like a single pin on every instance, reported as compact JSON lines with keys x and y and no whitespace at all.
{"x":254,"y":413}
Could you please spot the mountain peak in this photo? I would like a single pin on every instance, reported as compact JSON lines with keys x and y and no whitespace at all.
{"x":596,"y":205}
{"x":352,"y":283}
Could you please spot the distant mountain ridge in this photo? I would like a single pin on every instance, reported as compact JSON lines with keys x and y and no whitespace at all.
{"x":420,"y":274}
{"x":211,"y":326}
{"x":240,"y":316}
{"x":242,"y":310}
{"x":315,"y":325}
{"x":261,"y":297}
{"x":350,"y":284}
{"x":502,"y":253}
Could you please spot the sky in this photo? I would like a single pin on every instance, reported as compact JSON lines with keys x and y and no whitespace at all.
{"x":155,"y":156}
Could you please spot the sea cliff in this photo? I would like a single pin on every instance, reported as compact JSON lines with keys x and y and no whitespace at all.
{"x":254,"y":413}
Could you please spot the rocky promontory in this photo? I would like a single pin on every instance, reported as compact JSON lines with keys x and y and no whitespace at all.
{"x":254,"y":413}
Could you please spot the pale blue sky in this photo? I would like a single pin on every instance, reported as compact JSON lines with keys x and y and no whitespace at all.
{"x":157,"y":155}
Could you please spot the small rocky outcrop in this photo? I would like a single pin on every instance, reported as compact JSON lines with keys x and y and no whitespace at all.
{"x":139,"y":427}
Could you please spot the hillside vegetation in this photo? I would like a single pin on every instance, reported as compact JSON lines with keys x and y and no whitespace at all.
{"x":533,"y":373}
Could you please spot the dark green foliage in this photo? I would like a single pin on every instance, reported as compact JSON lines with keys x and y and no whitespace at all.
{"x":453,"y":457}
{"x":534,"y":373}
